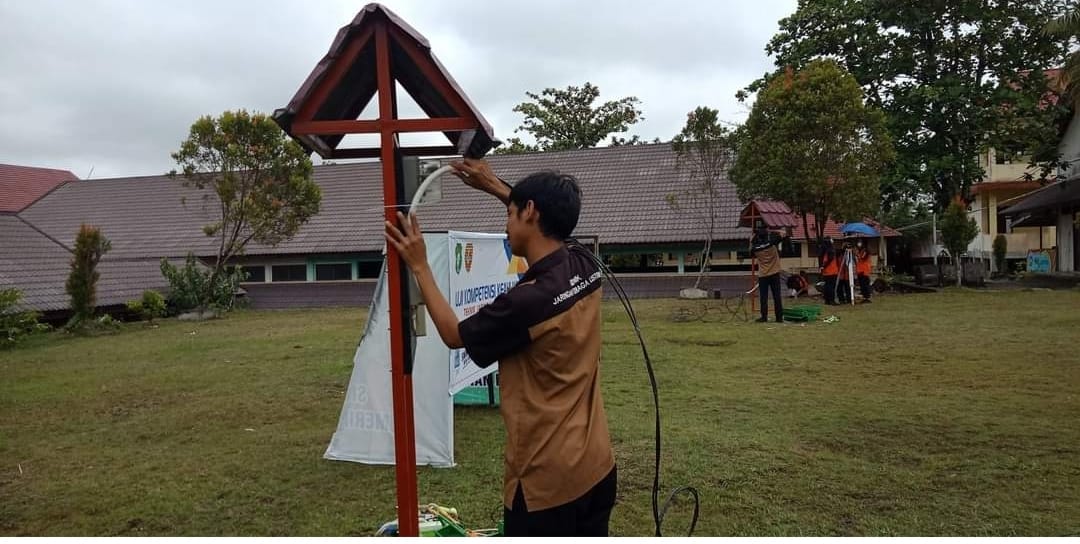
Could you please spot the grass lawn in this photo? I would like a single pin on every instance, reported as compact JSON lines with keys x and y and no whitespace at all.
{"x":943,"y":414}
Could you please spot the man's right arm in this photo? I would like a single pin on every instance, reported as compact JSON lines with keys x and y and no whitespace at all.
{"x":477,"y":173}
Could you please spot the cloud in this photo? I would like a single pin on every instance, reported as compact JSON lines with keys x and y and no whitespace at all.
{"x":115,"y":85}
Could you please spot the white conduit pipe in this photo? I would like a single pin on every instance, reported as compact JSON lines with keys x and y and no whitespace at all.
{"x":423,"y":188}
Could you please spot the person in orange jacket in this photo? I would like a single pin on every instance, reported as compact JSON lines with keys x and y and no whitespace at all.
{"x":830,"y":269}
{"x":862,"y":269}
{"x":843,"y":283}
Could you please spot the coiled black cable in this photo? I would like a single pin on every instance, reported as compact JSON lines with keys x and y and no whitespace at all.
{"x":658,"y":511}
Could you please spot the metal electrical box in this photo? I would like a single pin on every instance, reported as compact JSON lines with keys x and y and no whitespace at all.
{"x":414,"y":172}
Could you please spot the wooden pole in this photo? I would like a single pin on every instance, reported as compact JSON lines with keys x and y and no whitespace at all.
{"x":404,"y":431}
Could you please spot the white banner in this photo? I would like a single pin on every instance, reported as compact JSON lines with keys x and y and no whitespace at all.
{"x":471,"y":269}
{"x":481,"y":268}
{"x":365,"y":431}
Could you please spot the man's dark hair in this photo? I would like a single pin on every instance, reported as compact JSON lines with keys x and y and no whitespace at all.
{"x":556,"y":196}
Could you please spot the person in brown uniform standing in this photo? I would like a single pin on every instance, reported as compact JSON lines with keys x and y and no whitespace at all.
{"x":559,"y":466}
{"x":765,"y":246}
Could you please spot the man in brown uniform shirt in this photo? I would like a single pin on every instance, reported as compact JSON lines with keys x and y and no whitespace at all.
{"x":560,"y":477}
{"x":765,"y":246}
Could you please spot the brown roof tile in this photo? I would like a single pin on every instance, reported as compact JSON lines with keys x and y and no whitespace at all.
{"x":624,"y":202}
{"x":358,"y":85}
{"x":833,"y":229}
{"x":39,"y":267}
{"x":20,"y":186}
{"x":775,"y":214}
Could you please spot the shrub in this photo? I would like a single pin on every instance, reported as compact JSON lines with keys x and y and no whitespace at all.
{"x":107,"y":322}
{"x":90,"y":247}
{"x":151,"y":305}
{"x":15,"y":324}
{"x":190,"y":285}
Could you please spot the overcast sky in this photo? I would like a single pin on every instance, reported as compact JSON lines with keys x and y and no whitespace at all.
{"x":115,"y":85}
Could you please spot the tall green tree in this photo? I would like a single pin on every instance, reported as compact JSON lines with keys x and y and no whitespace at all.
{"x":90,"y":246}
{"x":943,"y":72}
{"x":1067,"y":29}
{"x":958,"y":229}
{"x":704,"y":150}
{"x":811,"y":142}
{"x":259,"y":180}
{"x":561,"y":119}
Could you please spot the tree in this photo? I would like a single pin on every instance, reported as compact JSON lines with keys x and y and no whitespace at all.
{"x":90,"y":247}
{"x":704,"y":150}
{"x":561,"y":119}
{"x":957,"y":231}
{"x":811,"y":142}
{"x":943,"y":73}
{"x":1067,"y":28}
{"x":261,"y":178}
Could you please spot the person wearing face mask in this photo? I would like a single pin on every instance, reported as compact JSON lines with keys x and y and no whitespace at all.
{"x":830,"y":269}
{"x":862,"y":269}
{"x":843,"y":281}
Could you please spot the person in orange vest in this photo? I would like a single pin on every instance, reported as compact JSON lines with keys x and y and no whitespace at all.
{"x":862,"y":269}
{"x":830,"y":268}
{"x":843,"y":283}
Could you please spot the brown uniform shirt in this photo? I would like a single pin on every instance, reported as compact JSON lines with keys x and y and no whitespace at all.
{"x":545,"y":333}
{"x":767,"y":254}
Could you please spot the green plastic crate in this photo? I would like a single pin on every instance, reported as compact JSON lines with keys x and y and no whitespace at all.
{"x":802,"y":312}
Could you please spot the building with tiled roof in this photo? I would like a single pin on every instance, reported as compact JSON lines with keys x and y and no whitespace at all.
{"x":21,"y":186}
{"x":335,"y":256}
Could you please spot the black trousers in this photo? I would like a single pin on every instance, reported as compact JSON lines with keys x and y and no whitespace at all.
{"x":830,"y":289}
{"x":588,"y":515}
{"x":843,"y":291}
{"x":864,"y":286}
{"x":766,"y":284}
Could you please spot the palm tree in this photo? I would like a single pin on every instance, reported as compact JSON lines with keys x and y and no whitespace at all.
{"x":1067,"y":27}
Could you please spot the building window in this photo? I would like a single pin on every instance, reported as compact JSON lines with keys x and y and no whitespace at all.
{"x":254,"y":274}
{"x":288,"y":272}
{"x":333,"y":272}
{"x":791,"y":249}
{"x":368,"y":269}
{"x":1009,"y":154}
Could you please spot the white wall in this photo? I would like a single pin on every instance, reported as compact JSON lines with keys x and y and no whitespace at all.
{"x":1070,"y":147}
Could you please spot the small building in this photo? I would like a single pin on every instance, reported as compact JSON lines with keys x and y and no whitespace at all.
{"x":1008,"y":178}
{"x":1004,"y":183}
{"x":1054,"y":206}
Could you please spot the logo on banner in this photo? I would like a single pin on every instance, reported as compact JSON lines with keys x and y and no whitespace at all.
{"x":457,"y":258}
{"x":468,"y":256}
{"x":515,"y":264}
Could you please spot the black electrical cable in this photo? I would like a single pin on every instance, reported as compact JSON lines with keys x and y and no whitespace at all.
{"x":658,"y":512}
